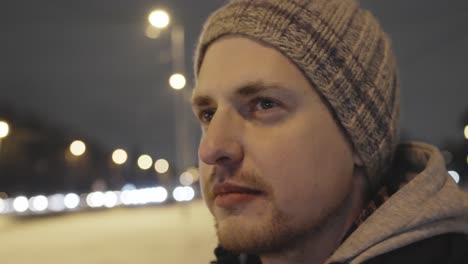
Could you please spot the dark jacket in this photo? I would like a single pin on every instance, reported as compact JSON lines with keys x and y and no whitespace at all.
{"x":449,"y":248}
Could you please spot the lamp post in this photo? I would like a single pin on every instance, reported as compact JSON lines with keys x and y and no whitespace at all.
{"x":161,"y":20}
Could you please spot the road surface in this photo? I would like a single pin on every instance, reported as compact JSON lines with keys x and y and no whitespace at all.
{"x":179,"y":233}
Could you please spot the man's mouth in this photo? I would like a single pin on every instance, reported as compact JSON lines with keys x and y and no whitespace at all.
{"x":229,"y":195}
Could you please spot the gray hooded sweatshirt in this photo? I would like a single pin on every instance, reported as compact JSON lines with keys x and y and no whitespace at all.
{"x":430,"y":204}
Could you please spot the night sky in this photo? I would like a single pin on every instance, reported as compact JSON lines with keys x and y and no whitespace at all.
{"x":88,"y":66}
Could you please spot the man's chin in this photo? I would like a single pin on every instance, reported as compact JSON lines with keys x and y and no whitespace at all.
{"x":239,"y":233}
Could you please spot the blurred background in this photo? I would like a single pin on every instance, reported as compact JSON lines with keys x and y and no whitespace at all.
{"x":97,"y":139}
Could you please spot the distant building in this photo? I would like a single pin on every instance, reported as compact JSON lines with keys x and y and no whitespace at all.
{"x":35,"y":158}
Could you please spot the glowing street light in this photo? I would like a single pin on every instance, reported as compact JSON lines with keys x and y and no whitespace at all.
{"x":95,"y":199}
{"x":177,"y":81}
{"x":21,"y":204}
{"x":38,"y":203}
{"x":3,"y":206}
{"x":186,"y":178}
{"x":183,"y":194}
{"x":56,"y":202}
{"x":145,"y":162}
{"x":159,"y":19}
{"x":466,"y":132}
{"x":161,"y":166}
{"x":119,"y":156}
{"x":110,"y":199}
{"x":4,"y":129}
{"x":77,"y":148}
{"x":71,"y":200}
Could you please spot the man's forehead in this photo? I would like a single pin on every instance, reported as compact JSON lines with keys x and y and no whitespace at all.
{"x":237,"y":66}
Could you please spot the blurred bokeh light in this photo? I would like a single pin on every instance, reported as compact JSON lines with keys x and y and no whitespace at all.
{"x":4,"y":129}
{"x":186,"y":178}
{"x":183,"y":194}
{"x":119,"y":156}
{"x":38,"y":203}
{"x":177,"y":81}
{"x":77,"y":148}
{"x":145,"y":162}
{"x":20,"y":204}
{"x":161,"y":166}
{"x":71,"y":200}
{"x":56,"y":202}
{"x":159,"y":18}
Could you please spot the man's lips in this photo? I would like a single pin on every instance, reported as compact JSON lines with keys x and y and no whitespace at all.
{"x":230,"y":195}
{"x":230,"y":188}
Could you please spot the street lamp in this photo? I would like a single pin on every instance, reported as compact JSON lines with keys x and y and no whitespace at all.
{"x":77,"y":148}
{"x":161,"y":166}
{"x":4,"y":129}
{"x":186,"y":178}
{"x":159,"y":19}
{"x":145,"y":162}
{"x":466,"y":131}
{"x":119,"y":156}
{"x":177,"y":81}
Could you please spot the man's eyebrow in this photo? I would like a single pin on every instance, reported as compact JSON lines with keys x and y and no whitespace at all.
{"x":255,"y":87}
{"x":201,"y":101}
{"x":246,"y":90}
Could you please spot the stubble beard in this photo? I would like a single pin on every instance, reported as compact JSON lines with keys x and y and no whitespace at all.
{"x":256,"y":237}
{"x":274,"y":233}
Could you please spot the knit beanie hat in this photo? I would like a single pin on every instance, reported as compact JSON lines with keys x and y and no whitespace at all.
{"x":344,"y":54}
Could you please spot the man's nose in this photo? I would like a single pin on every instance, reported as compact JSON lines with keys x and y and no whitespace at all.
{"x":221,"y":141}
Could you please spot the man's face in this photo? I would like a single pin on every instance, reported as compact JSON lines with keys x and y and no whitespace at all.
{"x":274,"y":164}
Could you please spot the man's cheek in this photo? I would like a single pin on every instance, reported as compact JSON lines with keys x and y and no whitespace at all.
{"x":205,"y":187}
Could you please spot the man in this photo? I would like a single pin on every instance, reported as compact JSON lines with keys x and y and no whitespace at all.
{"x":298,"y":103}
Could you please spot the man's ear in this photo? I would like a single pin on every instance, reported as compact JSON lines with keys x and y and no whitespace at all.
{"x":357,"y":160}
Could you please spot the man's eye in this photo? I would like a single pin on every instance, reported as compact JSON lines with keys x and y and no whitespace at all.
{"x":264,"y":104}
{"x":205,"y":116}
